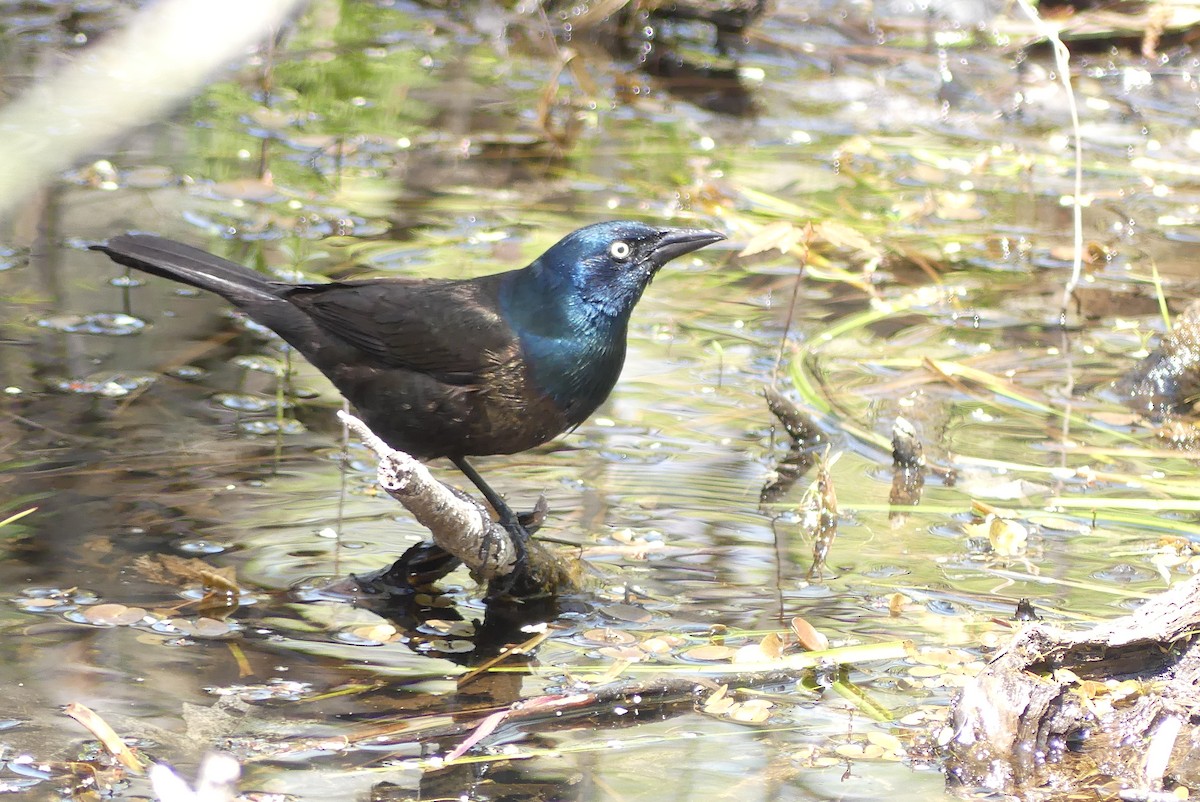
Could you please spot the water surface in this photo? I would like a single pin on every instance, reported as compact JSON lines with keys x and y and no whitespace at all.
{"x":141,"y":420}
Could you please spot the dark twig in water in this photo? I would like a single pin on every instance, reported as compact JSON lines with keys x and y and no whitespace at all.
{"x":807,"y":439}
{"x":824,"y":504}
{"x":660,"y":697}
{"x":908,"y":470}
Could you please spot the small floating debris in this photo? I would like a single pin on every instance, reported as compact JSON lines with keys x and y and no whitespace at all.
{"x":200,"y":627}
{"x":54,"y":600}
{"x":273,"y":689}
{"x":446,"y":646}
{"x":110,"y":324}
{"x":107,"y":385}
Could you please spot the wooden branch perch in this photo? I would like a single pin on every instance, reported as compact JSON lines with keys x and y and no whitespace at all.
{"x":459,"y":524}
{"x":463,"y":527}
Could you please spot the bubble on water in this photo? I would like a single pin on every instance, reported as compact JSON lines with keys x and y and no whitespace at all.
{"x":10,"y":258}
{"x":200,"y":546}
{"x":1123,"y":573}
{"x":267,"y":427}
{"x":54,"y":599}
{"x":262,"y":364}
{"x":188,"y":372}
{"x":247,"y":402}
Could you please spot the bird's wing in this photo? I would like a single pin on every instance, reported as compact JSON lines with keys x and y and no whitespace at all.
{"x":451,"y":330}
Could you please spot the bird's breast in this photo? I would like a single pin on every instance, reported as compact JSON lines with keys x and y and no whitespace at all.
{"x":575,"y":372}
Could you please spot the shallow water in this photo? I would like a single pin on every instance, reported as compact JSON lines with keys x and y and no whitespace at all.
{"x":406,"y":139}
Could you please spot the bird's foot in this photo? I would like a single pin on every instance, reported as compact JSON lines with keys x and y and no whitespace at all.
{"x":507,"y":584}
{"x":519,"y":528}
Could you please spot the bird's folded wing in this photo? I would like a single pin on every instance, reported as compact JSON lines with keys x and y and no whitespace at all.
{"x":448,"y":329}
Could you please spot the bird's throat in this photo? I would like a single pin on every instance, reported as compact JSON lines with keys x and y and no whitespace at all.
{"x":572,"y":351}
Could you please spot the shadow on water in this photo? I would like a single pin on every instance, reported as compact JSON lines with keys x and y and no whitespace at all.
{"x":192,"y":493}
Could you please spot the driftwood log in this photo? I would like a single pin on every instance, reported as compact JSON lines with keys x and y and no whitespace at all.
{"x":461,"y":526}
{"x":1107,"y":711}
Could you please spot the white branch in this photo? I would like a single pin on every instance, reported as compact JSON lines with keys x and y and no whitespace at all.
{"x":458,"y":523}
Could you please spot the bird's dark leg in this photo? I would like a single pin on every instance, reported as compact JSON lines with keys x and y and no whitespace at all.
{"x":508,"y":519}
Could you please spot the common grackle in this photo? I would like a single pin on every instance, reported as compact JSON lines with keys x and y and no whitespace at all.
{"x":455,"y":368}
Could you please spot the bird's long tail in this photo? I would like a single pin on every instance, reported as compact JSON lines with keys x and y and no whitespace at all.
{"x":253,"y":293}
{"x":174,"y":260}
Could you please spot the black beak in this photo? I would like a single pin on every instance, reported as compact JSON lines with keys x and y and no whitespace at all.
{"x":675,"y":242}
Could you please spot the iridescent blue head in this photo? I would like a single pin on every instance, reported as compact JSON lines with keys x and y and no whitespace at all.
{"x":608,"y":265}
{"x":570,"y":306}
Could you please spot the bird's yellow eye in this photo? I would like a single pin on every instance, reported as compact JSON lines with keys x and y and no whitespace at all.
{"x":620,"y":250}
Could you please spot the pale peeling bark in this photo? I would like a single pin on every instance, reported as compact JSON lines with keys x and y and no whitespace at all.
{"x":457,"y":522}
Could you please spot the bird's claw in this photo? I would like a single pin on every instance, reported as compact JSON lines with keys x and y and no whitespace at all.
{"x":518,"y":535}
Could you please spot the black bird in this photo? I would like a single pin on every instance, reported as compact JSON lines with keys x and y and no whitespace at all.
{"x":455,"y":368}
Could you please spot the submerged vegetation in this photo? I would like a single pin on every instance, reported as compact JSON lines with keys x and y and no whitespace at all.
{"x":850,"y":454}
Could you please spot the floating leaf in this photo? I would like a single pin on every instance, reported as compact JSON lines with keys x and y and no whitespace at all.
{"x":752,"y":653}
{"x":772,"y":646}
{"x":631,"y":654}
{"x":113,"y":615}
{"x":461,"y":629}
{"x":244,"y":402}
{"x":808,"y":635}
{"x":886,"y":741}
{"x":897,"y":602}
{"x":711,"y":653}
{"x":609,"y":637}
{"x":752,"y":711}
{"x":1007,"y":537}
{"x":657,"y":645}
{"x":626,"y":612}
{"x":377,"y":633}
